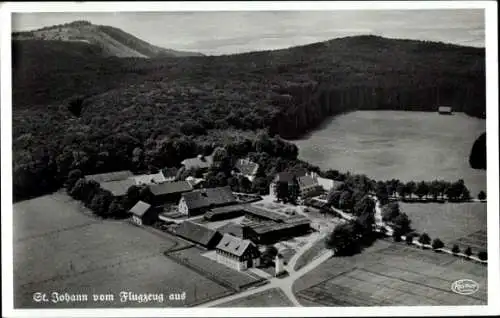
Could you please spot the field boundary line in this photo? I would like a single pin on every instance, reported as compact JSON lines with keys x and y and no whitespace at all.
{"x":422,"y":284}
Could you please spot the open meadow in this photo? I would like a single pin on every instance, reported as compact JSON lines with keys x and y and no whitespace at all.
{"x":398,"y":144}
{"x":454,"y":223}
{"x":391,"y":274}
{"x":59,"y":248}
{"x":268,"y":298}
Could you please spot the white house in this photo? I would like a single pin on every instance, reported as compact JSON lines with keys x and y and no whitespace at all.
{"x":237,"y":253}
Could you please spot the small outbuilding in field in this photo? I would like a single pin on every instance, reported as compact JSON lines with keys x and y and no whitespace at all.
{"x":143,"y":213}
{"x":445,"y":110}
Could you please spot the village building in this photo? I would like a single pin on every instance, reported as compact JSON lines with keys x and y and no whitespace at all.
{"x":198,"y":234}
{"x":445,"y":110}
{"x":266,"y":227}
{"x":247,"y":168}
{"x":110,"y":176}
{"x":169,"y":191}
{"x":146,"y":179}
{"x":170,"y":174}
{"x":269,"y":232}
{"x":143,"y":213}
{"x":200,"y":201}
{"x":237,"y":253}
{"x":326,"y":184}
{"x":309,"y":186}
{"x":199,"y":162}
{"x":117,"y":188}
{"x":287,"y":177}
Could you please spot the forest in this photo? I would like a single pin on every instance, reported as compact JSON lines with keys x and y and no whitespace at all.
{"x":75,"y":109}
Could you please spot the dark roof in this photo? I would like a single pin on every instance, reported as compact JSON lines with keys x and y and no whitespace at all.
{"x":234,"y":245}
{"x":118,"y":188}
{"x":307,"y":181}
{"x":198,"y":162}
{"x":110,"y":176}
{"x":169,"y":172}
{"x":210,"y":197}
{"x":195,"y":232}
{"x":247,"y":167}
{"x":284,"y":177}
{"x":270,"y":226}
{"x":140,"y":208}
{"x":170,"y":187}
{"x":264,"y":213}
{"x":232,"y":229}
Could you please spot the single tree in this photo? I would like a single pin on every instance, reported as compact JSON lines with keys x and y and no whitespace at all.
{"x":409,"y":239}
{"x":411,"y":187}
{"x":482,"y":195}
{"x":455,"y":249}
{"x":424,"y":239}
{"x":73,"y":177}
{"x":468,"y":251}
{"x":390,"y":211}
{"x":483,"y":255}
{"x":437,"y":244}
{"x":396,"y":235}
{"x":402,"y":223}
{"x":281,"y":191}
{"x":269,"y":254}
{"x":422,"y":189}
{"x":344,"y":239}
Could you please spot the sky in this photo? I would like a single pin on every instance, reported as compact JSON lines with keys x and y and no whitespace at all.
{"x":219,"y":32}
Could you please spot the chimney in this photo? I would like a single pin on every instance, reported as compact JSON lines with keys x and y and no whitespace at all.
{"x":278,"y":265}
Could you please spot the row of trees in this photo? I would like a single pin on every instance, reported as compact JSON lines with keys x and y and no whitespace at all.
{"x":424,"y":239}
{"x":437,"y":189}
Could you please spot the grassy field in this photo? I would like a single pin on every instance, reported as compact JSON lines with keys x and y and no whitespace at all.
{"x":57,"y":248}
{"x":397,"y":144}
{"x":268,"y":298}
{"x":463,"y":224}
{"x":221,"y":273}
{"x":310,"y":254}
{"x":390,"y":274}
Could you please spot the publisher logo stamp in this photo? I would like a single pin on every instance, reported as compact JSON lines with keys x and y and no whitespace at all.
{"x":465,"y":287}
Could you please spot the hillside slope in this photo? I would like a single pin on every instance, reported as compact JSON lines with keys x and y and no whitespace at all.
{"x":112,"y":41}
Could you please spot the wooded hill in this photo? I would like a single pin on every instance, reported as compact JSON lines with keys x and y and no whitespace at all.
{"x":111,"y":41}
{"x":68,"y":98}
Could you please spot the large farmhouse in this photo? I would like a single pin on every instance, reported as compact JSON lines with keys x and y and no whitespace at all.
{"x":309,"y":186}
{"x":198,"y":162}
{"x":237,"y":253}
{"x":118,"y":188}
{"x":200,"y":201}
{"x":145,"y":179}
{"x":110,"y":176}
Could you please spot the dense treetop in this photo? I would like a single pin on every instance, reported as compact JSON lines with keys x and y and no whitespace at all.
{"x":73,"y":107}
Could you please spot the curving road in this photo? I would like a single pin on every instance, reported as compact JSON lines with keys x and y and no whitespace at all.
{"x":286,"y":283}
